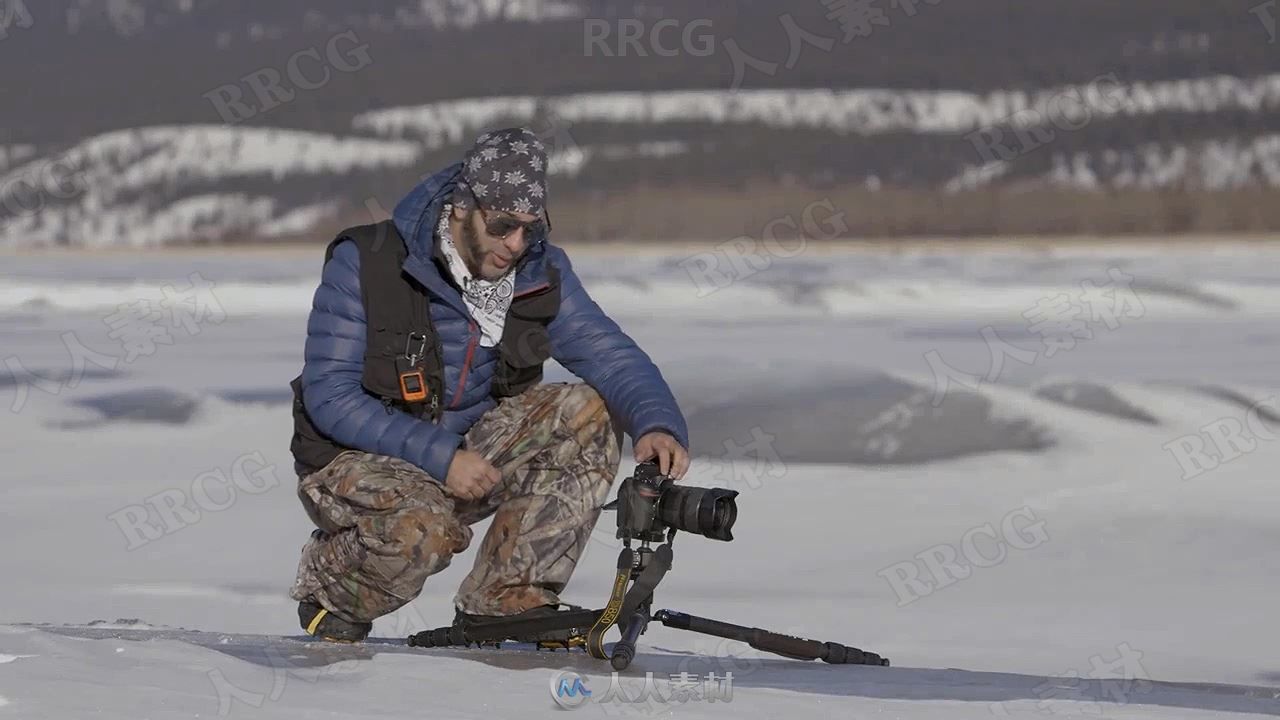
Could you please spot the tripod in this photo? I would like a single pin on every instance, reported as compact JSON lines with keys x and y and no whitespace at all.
{"x":631,"y":610}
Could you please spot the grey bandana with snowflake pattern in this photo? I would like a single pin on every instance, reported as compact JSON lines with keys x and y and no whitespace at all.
{"x":507,"y":171}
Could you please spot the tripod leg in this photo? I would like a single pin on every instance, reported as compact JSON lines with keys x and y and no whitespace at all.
{"x":785,"y":645}
{"x":625,"y":649}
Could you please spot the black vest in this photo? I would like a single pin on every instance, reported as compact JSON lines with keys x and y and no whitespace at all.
{"x":401,"y":341}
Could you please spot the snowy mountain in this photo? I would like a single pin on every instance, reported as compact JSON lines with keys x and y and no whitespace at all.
{"x":155,"y":185}
{"x":1212,"y":165}
{"x":132,"y":17}
{"x":862,"y":111}
{"x":228,"y":182}
{"x":173,"y":121}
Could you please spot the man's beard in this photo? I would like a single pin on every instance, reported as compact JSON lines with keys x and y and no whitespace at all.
{"x":470,"y":249}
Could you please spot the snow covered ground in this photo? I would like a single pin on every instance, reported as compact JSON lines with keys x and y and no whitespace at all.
{"x":1042,"y":483}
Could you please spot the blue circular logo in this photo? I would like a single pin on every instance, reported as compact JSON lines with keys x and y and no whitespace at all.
{"x":569,"y":690}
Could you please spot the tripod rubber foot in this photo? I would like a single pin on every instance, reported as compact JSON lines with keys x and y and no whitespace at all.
{"x":624,"y":651}
{"x":837,"y":654}
{"x":622,"y":656}
{"x":448,"y":636}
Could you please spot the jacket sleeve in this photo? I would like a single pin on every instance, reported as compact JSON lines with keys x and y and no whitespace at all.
{"x":589,"y":344}
{"x":332,"y":392}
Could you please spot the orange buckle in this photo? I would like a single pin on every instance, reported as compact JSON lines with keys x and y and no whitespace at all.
{"x":413,"y":386}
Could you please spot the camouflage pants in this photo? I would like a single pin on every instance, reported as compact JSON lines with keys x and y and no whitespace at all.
{"x":384,"y":526}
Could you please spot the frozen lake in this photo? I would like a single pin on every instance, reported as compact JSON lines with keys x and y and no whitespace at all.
{"x":1002,"y":469}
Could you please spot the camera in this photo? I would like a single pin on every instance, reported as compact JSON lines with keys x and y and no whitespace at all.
{"x":650,"y":503}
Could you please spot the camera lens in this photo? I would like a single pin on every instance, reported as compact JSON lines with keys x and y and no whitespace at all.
{"x":709,"y":512}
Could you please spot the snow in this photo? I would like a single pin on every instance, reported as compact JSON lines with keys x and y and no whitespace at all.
{"x":91,"y":194}
{"x":298,"y":221}
{"x":861,"y":110}
{"x":571,"y":160}
{"x":710,"y":282}
{"x":174,"y":184}
{"x":442,"y":14}
{"x":1213,"y":165}
{"x":1024,"y":529}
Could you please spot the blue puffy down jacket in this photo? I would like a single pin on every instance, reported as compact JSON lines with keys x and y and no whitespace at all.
{"x":583,"y":339}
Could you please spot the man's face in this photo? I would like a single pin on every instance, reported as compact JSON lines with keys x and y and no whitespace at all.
{"x":489,"y":256}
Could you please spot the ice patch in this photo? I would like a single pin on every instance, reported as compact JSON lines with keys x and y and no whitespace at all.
{"x":1095,"y":398}
{"x":1258,"y":403}
{"x":698,"y":295}
{"x":59,"y":375}
{"x":121,"y":624}
{"x":148,"y":405}
{"x":871,"y":420}
{"x":236,"y":594}
{"x":10,"y":658}
{"x":1185,"y":291}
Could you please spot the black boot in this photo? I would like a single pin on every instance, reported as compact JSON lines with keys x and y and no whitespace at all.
{"x":462,"y":619}
{"x":318,"y":621}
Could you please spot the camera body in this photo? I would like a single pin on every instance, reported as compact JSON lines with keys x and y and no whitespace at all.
{"x":651,"y":504}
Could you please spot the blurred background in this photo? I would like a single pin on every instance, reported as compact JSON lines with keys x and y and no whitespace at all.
{"x":148,"y":122}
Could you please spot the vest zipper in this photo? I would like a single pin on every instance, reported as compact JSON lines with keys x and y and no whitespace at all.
{"x":437,"y":393}
{"x":466,"y":364}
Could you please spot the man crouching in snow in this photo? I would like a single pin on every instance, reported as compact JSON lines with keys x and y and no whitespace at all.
{"x":420,"y":408}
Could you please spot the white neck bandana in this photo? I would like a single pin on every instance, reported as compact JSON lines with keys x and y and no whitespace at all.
{"x":487,"y":300}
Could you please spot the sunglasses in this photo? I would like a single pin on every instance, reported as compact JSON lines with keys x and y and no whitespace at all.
{"x":503,"y":225}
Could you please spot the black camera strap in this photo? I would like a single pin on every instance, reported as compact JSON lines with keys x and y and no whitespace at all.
{"x":642,"y":589}
{"x":609,"y":616}
{"x":623,"y":602}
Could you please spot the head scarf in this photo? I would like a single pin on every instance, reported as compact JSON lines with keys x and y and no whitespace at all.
{"x":506,"y":170}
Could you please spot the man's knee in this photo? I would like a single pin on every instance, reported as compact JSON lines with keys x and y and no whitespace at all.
{"x":582,"y":398}
{"x":590,"y":418}
{"x":402,"y":551}
{"x":426,"y":528}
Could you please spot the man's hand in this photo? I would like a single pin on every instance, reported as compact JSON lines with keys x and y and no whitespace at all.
{"x":673,"y":459}
{"x":471,"y":477}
